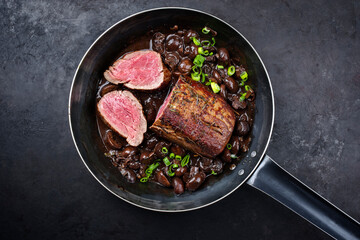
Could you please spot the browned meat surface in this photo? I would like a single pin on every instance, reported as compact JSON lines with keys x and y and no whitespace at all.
{"x":195,"y":118}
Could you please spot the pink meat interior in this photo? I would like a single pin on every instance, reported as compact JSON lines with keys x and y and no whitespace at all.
{"x":163,"y":106}
{"x":141,"y":68}
{"x":120,"y":113}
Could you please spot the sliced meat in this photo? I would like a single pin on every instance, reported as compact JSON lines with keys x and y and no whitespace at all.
{"x":142,"y":70}
{"x":195,"y":118}
{"x":123,"y":113}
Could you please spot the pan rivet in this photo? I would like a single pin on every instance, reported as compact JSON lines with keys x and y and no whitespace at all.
{"x":253,"y":154}
{"x":241,"y":172}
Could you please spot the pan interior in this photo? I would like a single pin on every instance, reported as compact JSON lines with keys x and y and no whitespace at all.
{"x":83,"y":122}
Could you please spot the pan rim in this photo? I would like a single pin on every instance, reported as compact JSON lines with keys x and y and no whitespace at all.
{"x":171,"y":210}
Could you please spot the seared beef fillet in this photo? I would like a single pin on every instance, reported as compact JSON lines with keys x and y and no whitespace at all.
{"x":122,"y":112}
{"x":142,"y":70}
{"x":195,"y":118}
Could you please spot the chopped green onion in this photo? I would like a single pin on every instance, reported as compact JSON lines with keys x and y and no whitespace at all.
{"x":206,"y":43}
{"x":203,"y":75}
{"x":205,"y":30}
{"x":228,"y":146}
{"x":201,"y":51}
{"x":178,"y":157}
{"x":149,"y":171}
{"x":185,"y":160}
{"x":164,"y":150}
{"x":211,"y":54}
{"x":172,"y":155}
{"x":215,"y":87}
{"x":196,"y":41}
{"x":195,"y":69}
{"x":166,"y":161}
{"x":213,"y":172}
{"x":244,"y":76}
{"x":151,"y":168}
{"x":242,"y":98}
{"x":231,"y":70}
{"x":233,"y":156}
{"x":247,"y":88}
{"x":199,"y":60}
{"x":208,"y":83}
{"x":144,"y":179}
{"x":213,"y":39}
{"x":170,"y":172}
{"x":195,"y":77}
{"x":220,"y":66}
{"x":242,"y":83}
{"x":154,"y":166}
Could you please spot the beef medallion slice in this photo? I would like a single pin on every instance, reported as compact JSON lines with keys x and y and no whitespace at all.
{"x":123,"y":113}
{"x":141,"y":70}
{"x":195,"y":118}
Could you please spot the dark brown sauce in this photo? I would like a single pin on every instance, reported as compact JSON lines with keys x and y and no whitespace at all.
{"x":178,"y":51}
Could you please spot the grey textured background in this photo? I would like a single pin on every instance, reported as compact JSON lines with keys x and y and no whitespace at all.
{"x":311,"y":50}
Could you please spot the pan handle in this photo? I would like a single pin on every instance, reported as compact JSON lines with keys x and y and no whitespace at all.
{"x":276,"y":182}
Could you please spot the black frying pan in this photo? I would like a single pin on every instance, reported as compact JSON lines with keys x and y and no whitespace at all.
{"x":256,"y":169}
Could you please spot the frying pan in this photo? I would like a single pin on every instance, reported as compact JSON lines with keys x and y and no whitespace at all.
{"x":256,"y":169}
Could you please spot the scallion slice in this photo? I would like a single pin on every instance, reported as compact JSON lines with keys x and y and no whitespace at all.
{"x":203,"y":75}
{"x":247,"y":88}
{"x":220,"y":66}
{"x":215,"y":87}
{"x":213,"y":39}
{"x":144,"y":179}
{"x":242,"y":98}
{"x":151,"y":168}
{"x":166,"y":161}
{"x":172,"y":155}
{"x":185,"y":160}
{"x":149,"y":171}
{"x":233,"y":156}
{"x":213,"y":172}
{"x":164,"y":150}
{"x":231,"y":70}
{"x":199,"y":60}
{"x":196,"y":69}
{"x":170,"y":172}
{"x":178,"y":157}
{"x":202,"y":52}
{"x":244,"y":76}
{"x":228,"y":146}
{"x":205,"y":30}
{"x":195,"y":76}
{"x":196,"y":41}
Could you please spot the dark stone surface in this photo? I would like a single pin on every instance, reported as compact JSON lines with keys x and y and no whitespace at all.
{"x":311,"y":50}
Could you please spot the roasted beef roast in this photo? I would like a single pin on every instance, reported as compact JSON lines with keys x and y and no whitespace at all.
{"x":195,"y":118}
